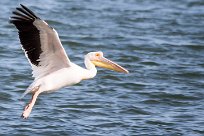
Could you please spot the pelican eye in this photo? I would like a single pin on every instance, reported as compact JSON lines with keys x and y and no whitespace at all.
{"x":97,"y":54}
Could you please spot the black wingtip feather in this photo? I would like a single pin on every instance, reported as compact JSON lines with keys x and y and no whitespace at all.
{"x":29,"y":35}
{"x":29,"y":11}
{"x":20,"y":15}
{"x":23,"y":14}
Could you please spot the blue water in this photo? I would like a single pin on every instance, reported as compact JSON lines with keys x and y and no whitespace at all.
{"x":160,"y":42}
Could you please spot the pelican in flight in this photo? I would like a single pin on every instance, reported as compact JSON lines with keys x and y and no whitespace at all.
{"x":51,"y":67}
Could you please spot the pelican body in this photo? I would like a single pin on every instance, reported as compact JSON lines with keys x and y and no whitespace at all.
{"x":52,"y":69}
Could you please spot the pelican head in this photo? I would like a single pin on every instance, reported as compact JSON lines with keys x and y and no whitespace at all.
{"x":99,"y":60}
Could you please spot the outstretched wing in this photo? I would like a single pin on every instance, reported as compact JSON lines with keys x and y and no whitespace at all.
{"x":40,"y":43}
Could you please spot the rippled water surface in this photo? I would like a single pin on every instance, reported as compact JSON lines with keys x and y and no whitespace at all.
{"x":160,"y":42}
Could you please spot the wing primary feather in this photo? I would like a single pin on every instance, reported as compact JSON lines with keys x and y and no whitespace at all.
{"x":19,"y":18}
{"x":24,"y":12}
{"x":29,"y":35}
{"x":29,"y":11}
{"x":21,"y":15}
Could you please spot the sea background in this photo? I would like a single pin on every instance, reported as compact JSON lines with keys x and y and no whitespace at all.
{"x":160,"y":42}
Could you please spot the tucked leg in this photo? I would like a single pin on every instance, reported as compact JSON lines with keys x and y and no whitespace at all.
{"x":28,"y":108}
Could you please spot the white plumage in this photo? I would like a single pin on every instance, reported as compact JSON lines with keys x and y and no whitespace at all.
{"x":51,"y":66}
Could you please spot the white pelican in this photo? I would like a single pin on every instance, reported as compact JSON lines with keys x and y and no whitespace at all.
{"x":51,"y":67}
